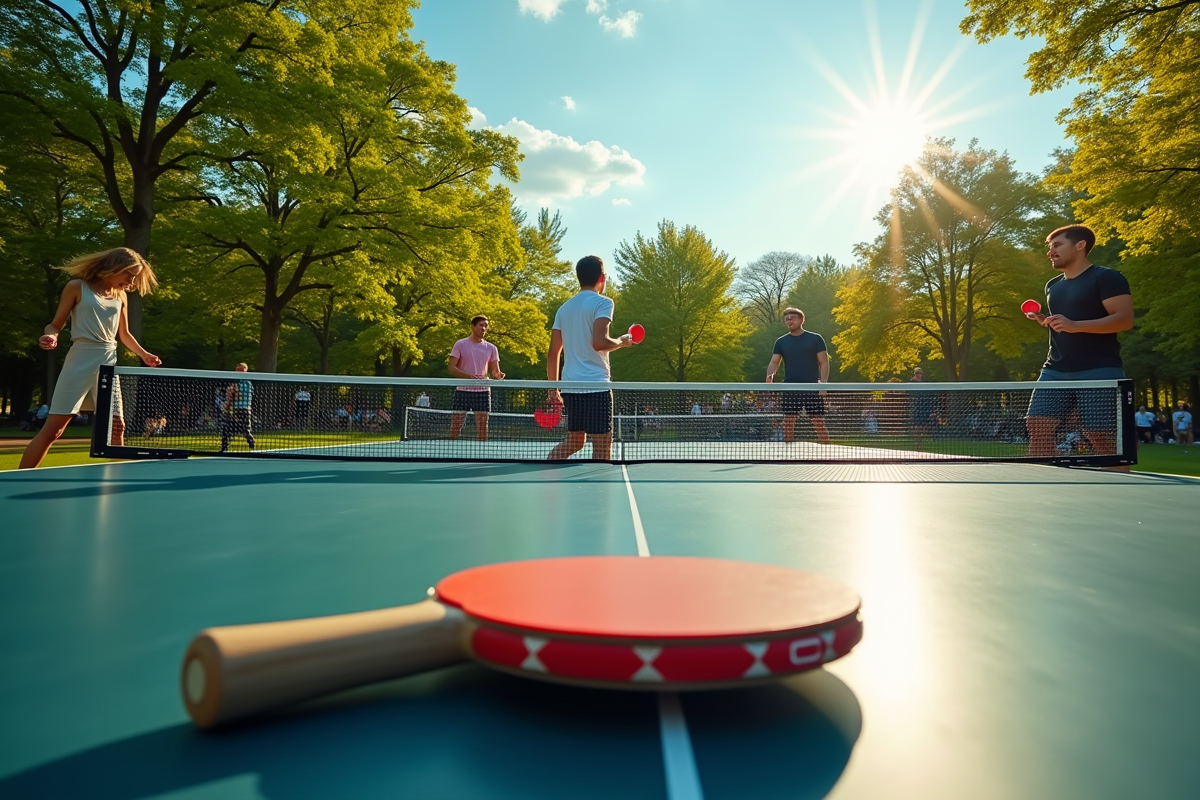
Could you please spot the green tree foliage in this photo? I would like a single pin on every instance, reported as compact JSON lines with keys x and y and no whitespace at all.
{"x":49,"y":212}
{"x":1135,"y":171}
{"x":1137,"y":163}
{"x":678,"y":285}
{"x":949,"y":271}
{"x":542,"y":275}
{"x":385,"y":201}
{"x":129,"y":85}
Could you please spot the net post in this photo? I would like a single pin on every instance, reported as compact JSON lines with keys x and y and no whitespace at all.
{"x":1127,"y":435}
{"x":102,"y":424}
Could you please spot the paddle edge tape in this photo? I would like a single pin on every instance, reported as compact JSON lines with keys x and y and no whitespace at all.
{"x":674,"y":666}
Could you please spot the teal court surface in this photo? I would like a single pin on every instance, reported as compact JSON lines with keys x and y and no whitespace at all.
{"x":1029,"y":631}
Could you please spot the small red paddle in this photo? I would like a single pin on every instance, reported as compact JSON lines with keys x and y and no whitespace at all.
{"x":637,"y":334}
{"x":550,"y":416}
{"x":1031,"y":307}
{"x":660,"y":623}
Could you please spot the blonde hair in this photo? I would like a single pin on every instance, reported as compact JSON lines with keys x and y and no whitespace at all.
{"x":96,"y":266}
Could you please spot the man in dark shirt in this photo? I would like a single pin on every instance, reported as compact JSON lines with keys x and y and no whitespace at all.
{"x":805,"y":360}
{"x":1088,"y":306}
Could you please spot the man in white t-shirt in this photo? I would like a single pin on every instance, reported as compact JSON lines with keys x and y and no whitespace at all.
{"x":581,"y":336}
{"x":473,"y":357}
{"x":1145,"y":424}
{"x":1181,"y":421}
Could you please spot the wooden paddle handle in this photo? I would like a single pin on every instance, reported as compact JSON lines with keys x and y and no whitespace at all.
{"x":236,"y":671}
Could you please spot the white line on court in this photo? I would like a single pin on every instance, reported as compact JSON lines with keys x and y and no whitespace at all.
{"x":638,"y":530}
{"x":679,"y":761}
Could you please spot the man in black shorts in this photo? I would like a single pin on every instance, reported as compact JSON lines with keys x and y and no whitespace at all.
{"x":582,"y":337}
{"x":1088,"y":306}
{"x":805,"y":360}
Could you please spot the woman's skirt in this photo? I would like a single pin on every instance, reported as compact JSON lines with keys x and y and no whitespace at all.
{"x":76,"y":387}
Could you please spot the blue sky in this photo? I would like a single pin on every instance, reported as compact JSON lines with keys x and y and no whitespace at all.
{"x":761,"y":122}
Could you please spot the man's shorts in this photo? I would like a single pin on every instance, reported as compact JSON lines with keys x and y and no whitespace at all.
{"x":471,"y":401}
{"x":1097,"y":408}
{"x":589,"y":412}
{"x":811,"y":403}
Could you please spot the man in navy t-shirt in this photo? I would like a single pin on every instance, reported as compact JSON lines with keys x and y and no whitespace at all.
{"x":1088,"y":306}
{"x":805,"y":360}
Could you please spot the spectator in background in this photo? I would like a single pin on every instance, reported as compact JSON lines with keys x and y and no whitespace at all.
{"x":1181,"y":424}
{"x":1164,"y":429}
{"x":303,"y":399}
{"x":235,"y":419}
{"x":1145,"y":425}
{"x":39,"y":419}
{"x":423,"y":400}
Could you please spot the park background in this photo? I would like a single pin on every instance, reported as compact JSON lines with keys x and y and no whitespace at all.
{"x":332,"y":187}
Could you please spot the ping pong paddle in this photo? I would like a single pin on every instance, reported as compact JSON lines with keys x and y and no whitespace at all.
{"x":550,"y":416}
{"x":1031,"y":307}
{"x":637,"y":334}
{"x":660,"y":623}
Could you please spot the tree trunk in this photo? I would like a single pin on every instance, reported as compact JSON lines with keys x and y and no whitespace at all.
{"x":137,"y":238}
{"x":268,"y":338}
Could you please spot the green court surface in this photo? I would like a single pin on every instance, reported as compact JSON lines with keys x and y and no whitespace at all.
{"x":1030,"y":632}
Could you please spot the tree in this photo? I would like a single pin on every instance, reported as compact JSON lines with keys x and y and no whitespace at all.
{"x":949,"y":270}
{"x":1137,"y":164}
{"x":678,"y":285}
{"x":130,"y":85}
{"x":390,"y":186}
{"x":49,"y":212}
{"x":763,"y":285}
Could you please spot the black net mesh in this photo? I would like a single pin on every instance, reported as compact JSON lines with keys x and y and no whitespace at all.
{"x":208,"y":413}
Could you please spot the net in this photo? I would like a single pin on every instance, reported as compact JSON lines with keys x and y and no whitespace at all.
{"x":159,"y":413}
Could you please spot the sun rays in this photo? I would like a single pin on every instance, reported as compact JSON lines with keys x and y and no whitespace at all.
{"x":881,"y":130}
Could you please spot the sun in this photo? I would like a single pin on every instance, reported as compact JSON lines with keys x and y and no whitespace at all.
{"x":880,"y":128}
{"x":887,"y":136}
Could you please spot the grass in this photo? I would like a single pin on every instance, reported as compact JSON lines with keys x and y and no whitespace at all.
{"x":72,"y":432}
{"x":1163,"y":458}
{"x":62,"y":454}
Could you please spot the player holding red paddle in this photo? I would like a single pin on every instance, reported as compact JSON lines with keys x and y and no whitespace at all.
{"x":1089,"y":305}
{"x":581,"y":337}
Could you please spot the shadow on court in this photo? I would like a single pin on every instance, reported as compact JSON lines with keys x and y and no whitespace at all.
{"x":468,"y":732}
{"x":388,"y":475}
{"x":144,"y":477}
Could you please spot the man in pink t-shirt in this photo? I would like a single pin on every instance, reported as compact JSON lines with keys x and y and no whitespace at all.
{"x":473,"y":358}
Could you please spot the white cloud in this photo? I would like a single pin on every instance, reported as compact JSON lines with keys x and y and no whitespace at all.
{"x":625,"y":25}
{"x":621,"y":201}
{"x":596,"y":6}
{"x":542,"y":9}
{"x":568,"y":102}
{"x":478,"y":120}
{"x":560,"y":168}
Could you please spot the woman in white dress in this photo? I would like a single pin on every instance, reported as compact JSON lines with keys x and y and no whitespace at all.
{"x":95,"y":302}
